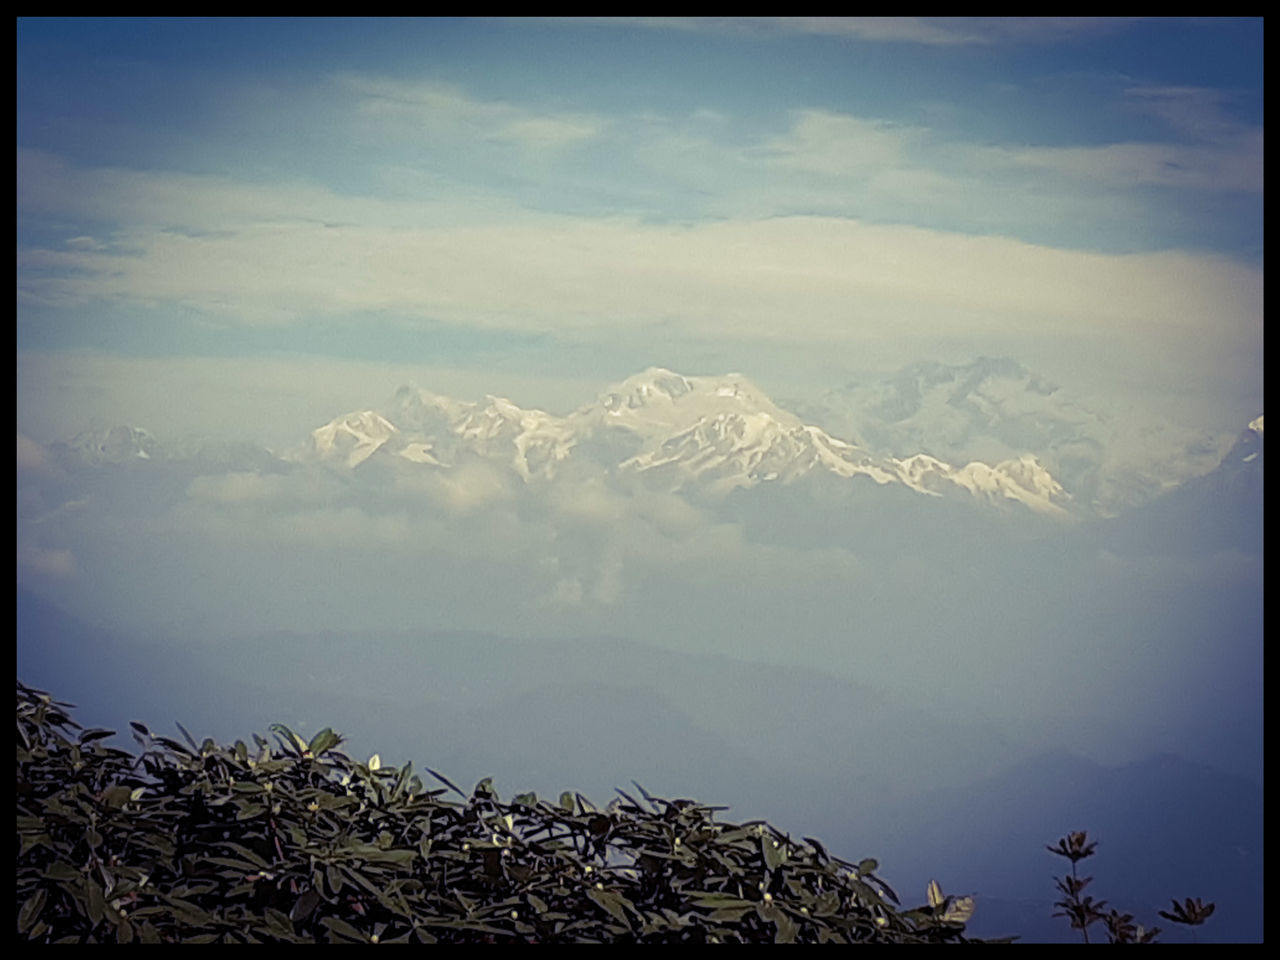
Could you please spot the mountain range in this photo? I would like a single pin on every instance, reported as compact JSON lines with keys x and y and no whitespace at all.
{"x":994,"y":408}
{"x":896,"y":633}
{"x":988,"y":433}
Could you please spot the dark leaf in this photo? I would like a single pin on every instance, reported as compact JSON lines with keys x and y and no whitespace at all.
{"x":188,"y":736}
{"x":446,"y":781}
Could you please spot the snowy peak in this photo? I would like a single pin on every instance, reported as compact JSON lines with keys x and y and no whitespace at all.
{"x":994,"y":411}
{"x":659,"y":398}
{"x":121,"y":444}
{"x":656,"y":385}
{"x":1248,"y":448}
{"x":416,"y":409}
{"x":675,"y":432}
{"x":352,"y":438}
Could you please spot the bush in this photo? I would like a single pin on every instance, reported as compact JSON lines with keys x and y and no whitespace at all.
{"x":1083,"y":911}
{"x":202,"y":843}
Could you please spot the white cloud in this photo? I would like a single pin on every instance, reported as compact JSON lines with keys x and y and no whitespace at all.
{"x":837,"y":144}
{"x":1195,"y":112}
{"x":827,"y":278}
{"x":926,"y":31}
{"x":1232,"y":166}
{"x":437,"y":110}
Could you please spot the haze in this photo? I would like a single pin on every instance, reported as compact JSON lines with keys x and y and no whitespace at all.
{"x":1029,"y":243}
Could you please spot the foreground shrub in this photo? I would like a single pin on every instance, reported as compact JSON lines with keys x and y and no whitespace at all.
{"x":1083,"y":911}
{"x":203,"y":843}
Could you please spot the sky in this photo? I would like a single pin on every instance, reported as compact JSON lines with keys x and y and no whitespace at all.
{"x":240,"y":230}
{"x":303,"y":214}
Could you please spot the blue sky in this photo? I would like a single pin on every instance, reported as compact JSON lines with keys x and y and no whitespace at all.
{"x":541,"y":207}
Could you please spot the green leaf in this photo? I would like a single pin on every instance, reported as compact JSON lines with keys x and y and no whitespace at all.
{"x":185,"y":911}
{"x":334,"y":876}
{"x":188,"y":736}
{"x":446,"y":781}
{"x":326,"y":739}
{"x":729,"y":914}
{"x":958,"y":910}
{"x":343,"y":931}
{"x":868,"y":866}
{"x":934,"y":892}
{"x":116,"y":796}
{"x":771,"y":849}
{"x":612,"y":902}
{"x":707,"y":898}
{"x":61,"y":870}
{"x":280,"y":924}
{"x":30,"y":911}
{"x":245,"y":852}
{"x":401,"y":780}
{"x":291,"y":742}
{"x":784,"y":926}
{"x":566,"y":801}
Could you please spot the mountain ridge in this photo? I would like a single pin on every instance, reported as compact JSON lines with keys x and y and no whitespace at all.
{"x":712,"y":432}
{"x":1044,"y":451}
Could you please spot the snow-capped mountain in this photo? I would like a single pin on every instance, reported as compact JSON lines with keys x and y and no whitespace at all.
{"x":1221,"y":510}
{"x":994,"y":410}
{"x":352,"y":439}
{"x":120,"y":444}
{"x":713,"y":434}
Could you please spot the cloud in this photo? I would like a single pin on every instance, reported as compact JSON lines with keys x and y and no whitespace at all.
{"x":37,"y":561}
{"x":438,"y":110}
{"x":837,"y":144}
{"x":256,"y":488}
{"x":1195,"y":112}
{"x":32,"y":459}
{"x":574,"y":276}
{"x":925,"y":31}
{"x":1231,"y":167}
